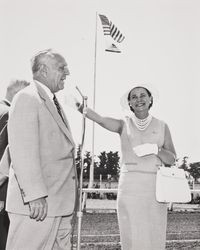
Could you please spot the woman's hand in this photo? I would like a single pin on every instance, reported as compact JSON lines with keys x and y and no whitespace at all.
{"x":73,"y":102}
{"x":146,"y":149}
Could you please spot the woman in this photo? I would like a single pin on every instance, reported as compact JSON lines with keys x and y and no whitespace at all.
{"x":146,"y":144}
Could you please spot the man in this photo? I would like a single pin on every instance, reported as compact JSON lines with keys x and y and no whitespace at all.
{"x":13,"y":87}
{"x":42,"y":180}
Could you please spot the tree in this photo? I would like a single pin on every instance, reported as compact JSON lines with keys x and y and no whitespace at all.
{"x":194,"y":170}
{"x":184,"y":165}
{"x":87,"y":164}
{"x":78,"y":161}
{"x":101,"y":167}
{"x":108,"y":165}
{"x":87,"y":159}
{"x":113,"y":164}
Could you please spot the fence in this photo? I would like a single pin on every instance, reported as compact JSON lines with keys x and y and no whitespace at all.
{"x":112,"y":194}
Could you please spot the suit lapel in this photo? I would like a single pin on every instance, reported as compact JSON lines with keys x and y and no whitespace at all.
{"x":52,"y":109}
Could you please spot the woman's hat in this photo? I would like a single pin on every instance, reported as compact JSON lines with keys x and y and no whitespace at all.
{"x":124,"y":99}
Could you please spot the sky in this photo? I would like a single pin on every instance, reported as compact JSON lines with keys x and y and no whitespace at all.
{"x":161,"y":48}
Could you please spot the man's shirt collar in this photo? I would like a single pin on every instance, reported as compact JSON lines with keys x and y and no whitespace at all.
{"x":46,"y":89}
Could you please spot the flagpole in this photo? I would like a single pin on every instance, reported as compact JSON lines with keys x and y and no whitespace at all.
{"x":91,"y":177}
{"x":82,"y":197}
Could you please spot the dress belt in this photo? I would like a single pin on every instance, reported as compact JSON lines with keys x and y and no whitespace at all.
{"x":135,"y":163}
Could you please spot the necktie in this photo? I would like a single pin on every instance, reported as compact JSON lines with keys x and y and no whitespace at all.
{"x":58,"y":106}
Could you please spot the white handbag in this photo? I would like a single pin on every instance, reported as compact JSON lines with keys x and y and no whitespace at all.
{"x":172,"y":185}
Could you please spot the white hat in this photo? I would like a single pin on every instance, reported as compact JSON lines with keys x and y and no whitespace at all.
{"x":124,"y":99}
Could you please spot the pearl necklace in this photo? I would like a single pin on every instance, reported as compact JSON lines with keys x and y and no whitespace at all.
{"x":142,"y":124}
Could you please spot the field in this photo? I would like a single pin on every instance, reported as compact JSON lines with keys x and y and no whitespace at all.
{"x":100,"y":228}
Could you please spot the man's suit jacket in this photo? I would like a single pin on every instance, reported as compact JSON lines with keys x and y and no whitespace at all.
{"x":42,"y":155}
{"x":4,"y":109}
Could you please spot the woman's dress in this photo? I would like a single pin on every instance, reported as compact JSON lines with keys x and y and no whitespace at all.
{"x":142,"y":220}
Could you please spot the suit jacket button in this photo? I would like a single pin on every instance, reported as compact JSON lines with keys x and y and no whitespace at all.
{"x":73,"y":177}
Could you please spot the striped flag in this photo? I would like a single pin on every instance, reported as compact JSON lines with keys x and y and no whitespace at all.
{"x":110,"y":30}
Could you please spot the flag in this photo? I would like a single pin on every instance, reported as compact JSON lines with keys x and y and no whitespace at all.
{"x":111,"y":32}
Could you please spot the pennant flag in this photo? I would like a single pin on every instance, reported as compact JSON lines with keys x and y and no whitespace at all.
{"x":111,"y":32}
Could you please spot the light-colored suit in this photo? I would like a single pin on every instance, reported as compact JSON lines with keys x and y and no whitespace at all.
{"x":42,"y":154}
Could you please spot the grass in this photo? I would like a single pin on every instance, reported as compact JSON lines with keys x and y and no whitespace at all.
{"x":100,"y":230}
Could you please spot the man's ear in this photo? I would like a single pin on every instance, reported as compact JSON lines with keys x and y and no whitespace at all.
{"x":43,"y":70}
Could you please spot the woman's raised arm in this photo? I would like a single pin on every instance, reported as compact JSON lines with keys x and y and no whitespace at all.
{"x":114,"y":125}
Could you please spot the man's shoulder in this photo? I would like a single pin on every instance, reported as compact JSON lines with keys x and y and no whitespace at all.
{"x":28,"y":92}
{"x":26,"y":96}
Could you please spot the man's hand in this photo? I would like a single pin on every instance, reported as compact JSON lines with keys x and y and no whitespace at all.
{"x":1,"y":205}
{"x":38,"y":209}
{"x":146,"y":149}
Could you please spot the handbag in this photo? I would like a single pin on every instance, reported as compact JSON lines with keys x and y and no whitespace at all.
{"x":172,"y":185}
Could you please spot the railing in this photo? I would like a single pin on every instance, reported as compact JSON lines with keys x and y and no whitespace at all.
{"x":195,"y":190}
{"x":100,"y":190}
{"x":114,"y":190}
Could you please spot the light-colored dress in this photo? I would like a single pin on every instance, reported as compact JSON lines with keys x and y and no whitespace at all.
{"x":142,"y":220}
